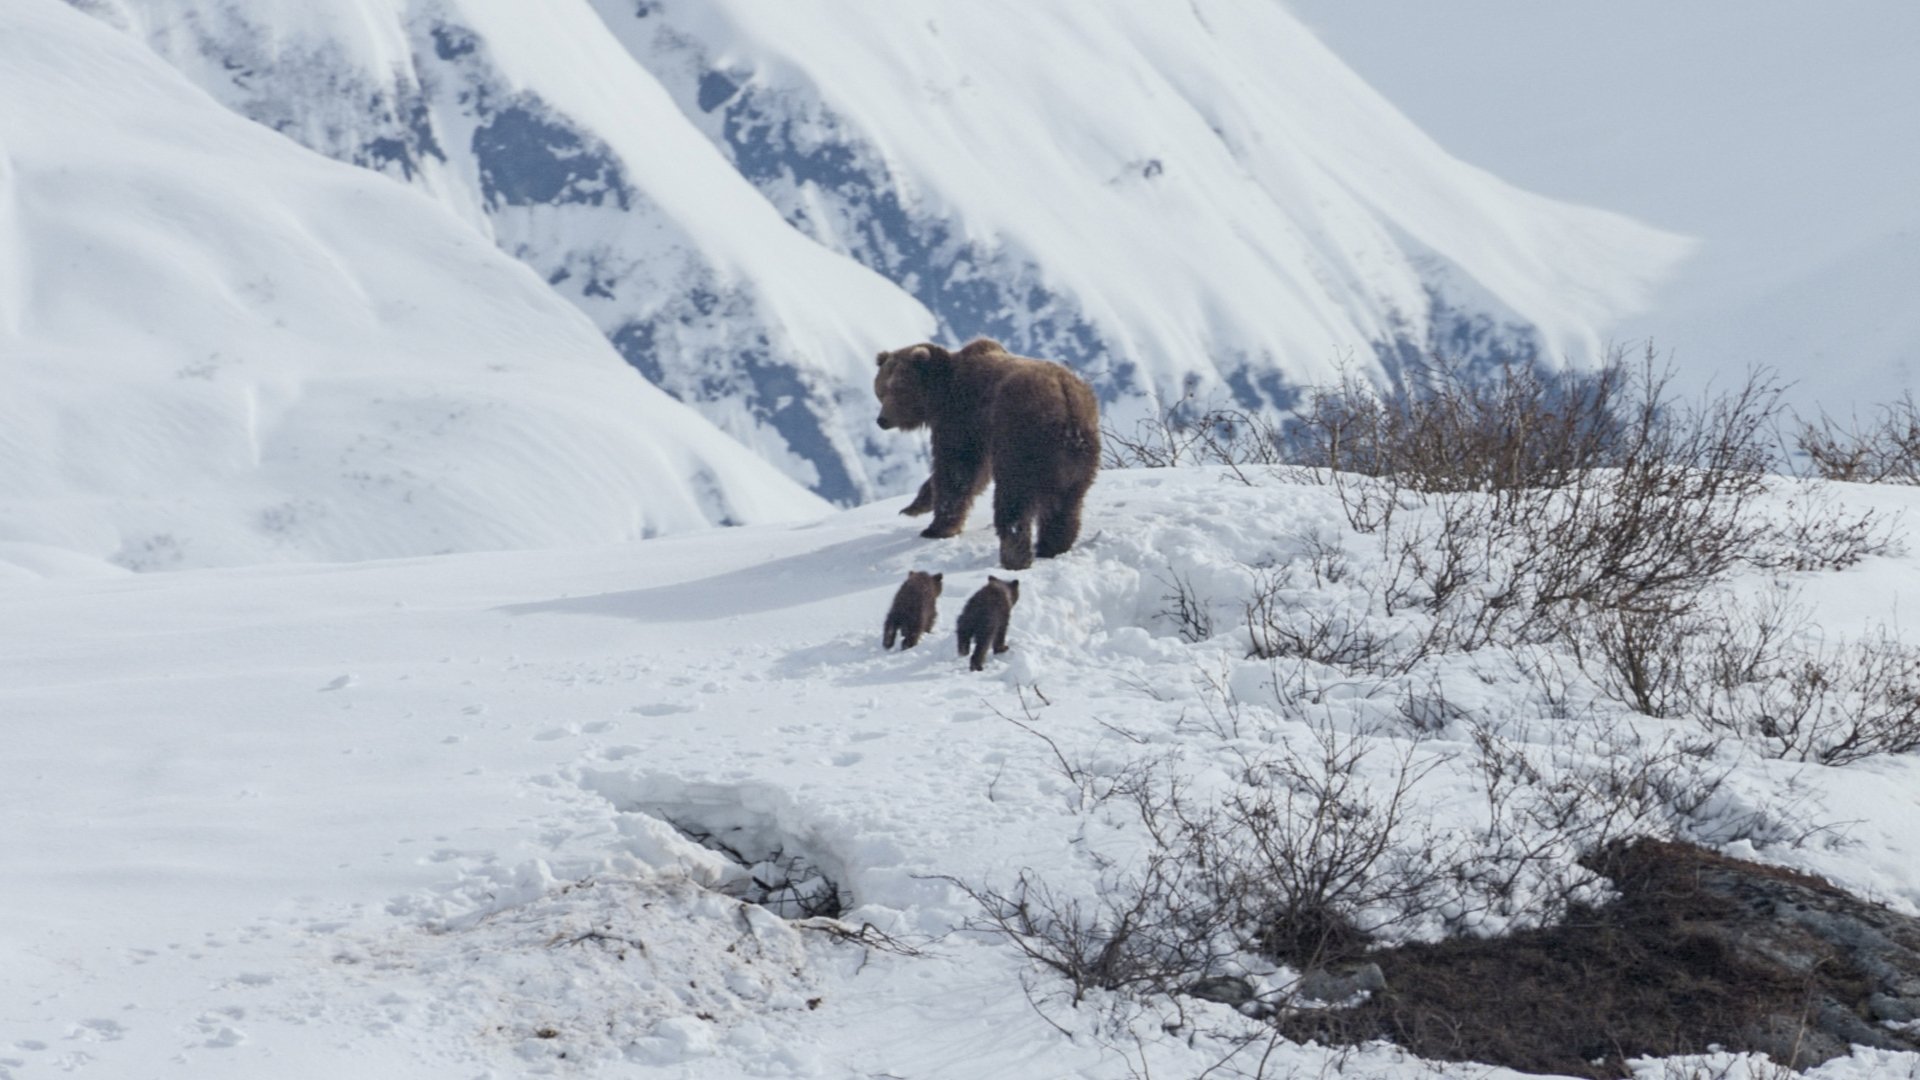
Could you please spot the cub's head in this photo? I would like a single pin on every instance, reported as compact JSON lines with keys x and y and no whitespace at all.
{"x":1012,"y":585}
{"x":901,"y":384}
{"x":929,"y":582}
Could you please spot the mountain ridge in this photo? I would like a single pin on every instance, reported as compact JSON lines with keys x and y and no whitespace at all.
{"x":749,"y":201}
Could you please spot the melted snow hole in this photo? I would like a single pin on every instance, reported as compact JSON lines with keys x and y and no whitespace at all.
{"x":781,"y":879}
{"x":748,"y":847}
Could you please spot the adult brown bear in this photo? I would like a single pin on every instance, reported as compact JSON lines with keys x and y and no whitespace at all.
{"x":1030,"y":425}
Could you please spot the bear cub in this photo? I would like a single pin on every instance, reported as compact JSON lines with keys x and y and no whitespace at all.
{"x":983,"y":621}
{"x":911,"y":615}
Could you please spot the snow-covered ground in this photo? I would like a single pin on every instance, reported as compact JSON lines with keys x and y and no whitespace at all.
{"x":341,"y":786}
{"x":408,"y":818}
{"x":219,"y":348}
{"x":1778,"y":134}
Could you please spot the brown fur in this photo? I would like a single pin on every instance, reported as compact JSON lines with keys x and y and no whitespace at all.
{"x":911,"y":615}
{"x":922,"y":500}
{"x":1031,"y":426}
{"x":983,"y":621}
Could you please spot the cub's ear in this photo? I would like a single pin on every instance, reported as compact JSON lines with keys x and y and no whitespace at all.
{"x":938,"y":578}
{"x":1013,"y":586}
{"x":919,"y":353}
{"x":880,"y":361}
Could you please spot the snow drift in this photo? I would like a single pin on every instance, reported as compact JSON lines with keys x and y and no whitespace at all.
{"x":221,"y":348}
{"x":1174,"y":199}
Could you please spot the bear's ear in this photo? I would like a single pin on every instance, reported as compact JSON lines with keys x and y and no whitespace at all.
{"x":938,"y":578}
{"x":1013,"y":586}
{"x":919,"y":353}
{"x":880,"y":361}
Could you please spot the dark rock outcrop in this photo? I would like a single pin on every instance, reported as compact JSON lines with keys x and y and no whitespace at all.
{"x":1698,"y":950}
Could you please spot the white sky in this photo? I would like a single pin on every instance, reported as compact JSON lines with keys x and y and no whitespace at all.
{"x":1784,"y":135}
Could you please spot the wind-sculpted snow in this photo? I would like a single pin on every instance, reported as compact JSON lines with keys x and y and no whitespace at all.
{"x":223,"y":349}
{"x":1175,"y":200}
{"x":830,"y":185}
{"x":544,"y":135}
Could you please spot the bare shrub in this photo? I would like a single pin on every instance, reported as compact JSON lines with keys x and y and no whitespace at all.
{"x":1186,"y":609}
{"x":1300,"y":861}
{"x":1813,"y":532}
{"x":1596,"y":512}
{"x":1610,"y":459}
{"x":1447,"y":427}
{"x":1639,"y":658}
{"x":1547,"y":805}
{"x":1312,"y":856}
{"x":1189,"y":434}
{"x":1313,"y":862}
{"x":1139,"y":935}
{"x":1279,"y":629}
{"x":1673,"y":512}
{"x":1755,"y":671}
{"x":1884,"y":450}
{"x":1833,"y":704}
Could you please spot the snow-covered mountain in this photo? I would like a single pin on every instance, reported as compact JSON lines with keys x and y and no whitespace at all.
{"x":534,"y":127}
{"x":1153,"y":192}
{"x":750,"y":199}
{"x":217,"y":347}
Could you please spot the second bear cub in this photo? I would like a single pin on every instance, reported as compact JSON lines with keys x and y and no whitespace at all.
{"x":983,"y":621}
{"x":912,"y":612}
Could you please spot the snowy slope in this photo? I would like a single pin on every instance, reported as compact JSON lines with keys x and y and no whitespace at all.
{"x":537,"y":129}
{"x":1152,"y":191}
{"x":217,"y":347}
{"x":409,"y":819}
{"x":1780,"y":135}
{"x":1172,"y":198}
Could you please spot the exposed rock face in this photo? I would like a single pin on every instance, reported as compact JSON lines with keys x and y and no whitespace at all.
{"x":1859,"y":962}
{"x":1698,"y":950}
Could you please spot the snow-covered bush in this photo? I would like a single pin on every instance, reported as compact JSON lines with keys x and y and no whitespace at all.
{"x":1884,"y":450}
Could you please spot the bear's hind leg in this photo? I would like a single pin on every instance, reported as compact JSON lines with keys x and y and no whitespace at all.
{"x":1060,"y":525}
{"x":1013,"y":519}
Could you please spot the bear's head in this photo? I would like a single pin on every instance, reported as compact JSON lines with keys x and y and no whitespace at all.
{"x":927,"y":581}
{"x":1012,"y":585}
{"x":901,"y":384}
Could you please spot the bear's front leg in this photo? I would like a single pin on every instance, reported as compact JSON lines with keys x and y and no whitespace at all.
{"x":959,"y":472}
{"x":922,"y":502}
{"x":949,"y":514}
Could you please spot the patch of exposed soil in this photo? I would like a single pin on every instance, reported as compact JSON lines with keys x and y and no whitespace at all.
{"x":1699,"y":950}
